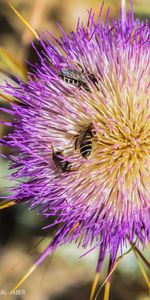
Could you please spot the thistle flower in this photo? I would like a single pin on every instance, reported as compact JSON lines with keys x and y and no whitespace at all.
{"x":81,"y":136}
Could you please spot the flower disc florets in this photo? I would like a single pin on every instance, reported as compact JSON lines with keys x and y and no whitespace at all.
{"x":81,"y":134}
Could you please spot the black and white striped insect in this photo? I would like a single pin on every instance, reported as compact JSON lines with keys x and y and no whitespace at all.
{"x":61,"y":164}
{"x":74,"y":77}
{"x":78,"y":78}
{"x":84,"y":141}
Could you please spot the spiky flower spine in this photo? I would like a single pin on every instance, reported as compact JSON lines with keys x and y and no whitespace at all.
{"x":103,"y":199}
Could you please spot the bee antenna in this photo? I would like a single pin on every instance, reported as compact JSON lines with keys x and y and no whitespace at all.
{"x":78,"y":65}
{"x":82,"y":70}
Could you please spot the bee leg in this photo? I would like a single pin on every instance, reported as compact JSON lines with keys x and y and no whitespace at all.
{"x":79,"y":65}
{"x":86,"y":87}
{"x":76,"y":144}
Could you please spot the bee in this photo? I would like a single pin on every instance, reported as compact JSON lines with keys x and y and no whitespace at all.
{"x":61,"y":164}
{"x":78,"y":78}
{"x":75,"y":78}
{"x":84,"y":141}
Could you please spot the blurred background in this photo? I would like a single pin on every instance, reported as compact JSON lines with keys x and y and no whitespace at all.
{"x":64,"y":276}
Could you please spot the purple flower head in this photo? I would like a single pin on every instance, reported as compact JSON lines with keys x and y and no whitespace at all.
{"x":81,"y":135}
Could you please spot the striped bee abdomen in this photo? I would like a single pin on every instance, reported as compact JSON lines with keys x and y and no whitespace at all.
{"x":86,"y":145}
{"x":84,"y":141}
